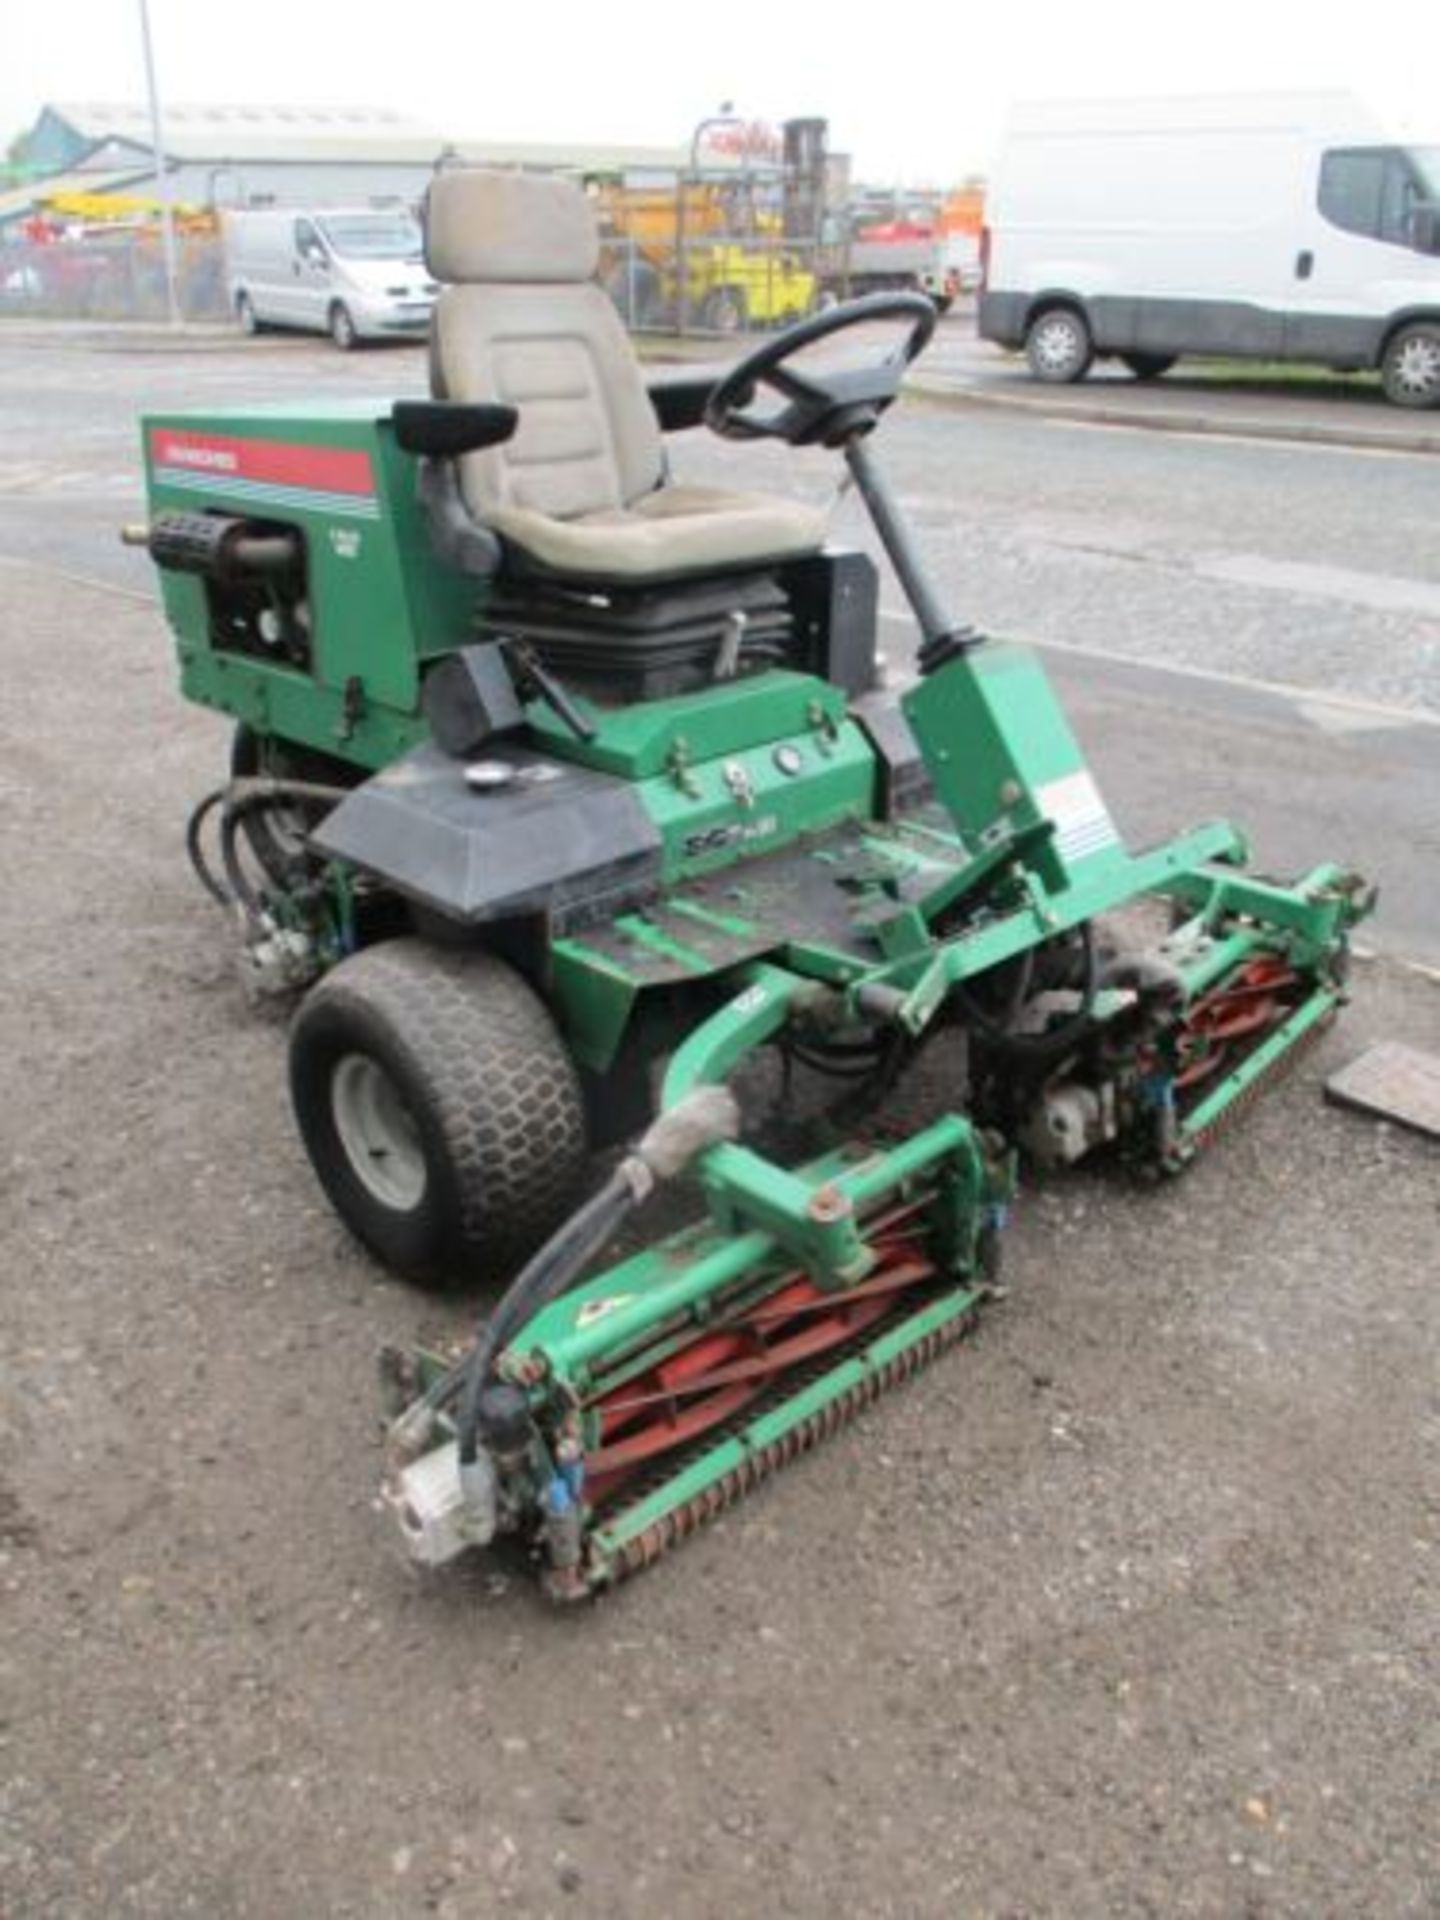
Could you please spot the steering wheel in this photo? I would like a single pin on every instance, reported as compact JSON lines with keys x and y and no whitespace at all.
{"x":826,"y":409}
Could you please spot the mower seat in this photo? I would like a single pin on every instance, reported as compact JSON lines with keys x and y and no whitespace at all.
{"x":579,"y":490}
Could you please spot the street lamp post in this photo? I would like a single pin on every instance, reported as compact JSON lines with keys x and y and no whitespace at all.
{"x":162,"y":177}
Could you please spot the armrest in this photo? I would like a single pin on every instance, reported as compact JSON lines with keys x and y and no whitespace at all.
{"x":456,"y":536}
{"x":681,"y":403}
{"x":442,"y":428}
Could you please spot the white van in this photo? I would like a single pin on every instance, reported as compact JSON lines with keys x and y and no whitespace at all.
{"x":354,"y":273}
{"x":1267,"y":226}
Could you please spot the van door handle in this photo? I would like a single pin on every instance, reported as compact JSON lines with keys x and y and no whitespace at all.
{"x":1304,"y":265}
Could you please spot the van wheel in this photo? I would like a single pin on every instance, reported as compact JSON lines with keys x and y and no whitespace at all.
{"x":342,"y":327}
{"x":1148,"y":366}
{"x":1410,"y":371}
{"x":245,"y":315}
{"x":1058,"y":346}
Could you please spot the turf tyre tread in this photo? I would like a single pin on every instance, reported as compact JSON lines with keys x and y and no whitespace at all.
{"x":488,"y":1081}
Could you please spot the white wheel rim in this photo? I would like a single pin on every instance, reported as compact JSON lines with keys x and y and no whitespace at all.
{"x":378,"y":1132}
{"x":1056,"y":344}
{"x":1418,"y":366}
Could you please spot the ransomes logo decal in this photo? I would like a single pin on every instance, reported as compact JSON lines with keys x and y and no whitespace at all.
{"x":273,"y":473}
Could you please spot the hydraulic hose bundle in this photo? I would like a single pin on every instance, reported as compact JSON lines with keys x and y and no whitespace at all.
{"x":239,"y":800}
{"x":704,"y":1117}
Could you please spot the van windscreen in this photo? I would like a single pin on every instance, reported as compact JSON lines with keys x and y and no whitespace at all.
{"x":372,"y":236}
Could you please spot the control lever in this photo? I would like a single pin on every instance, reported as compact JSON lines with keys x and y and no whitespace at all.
{"x":534,"y":681}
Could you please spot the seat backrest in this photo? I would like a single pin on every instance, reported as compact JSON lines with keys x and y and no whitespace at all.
{"x":523,"y":322}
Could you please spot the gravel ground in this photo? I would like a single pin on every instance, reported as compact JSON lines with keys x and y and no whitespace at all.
{"x":1126,"y":1607}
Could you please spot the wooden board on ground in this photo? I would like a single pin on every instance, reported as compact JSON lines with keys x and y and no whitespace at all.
{"x":1393,"y":1082}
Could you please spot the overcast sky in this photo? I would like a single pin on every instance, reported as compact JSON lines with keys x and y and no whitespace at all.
{"x":914,"y":92}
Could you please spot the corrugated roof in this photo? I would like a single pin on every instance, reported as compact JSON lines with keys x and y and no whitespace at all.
{"x":239,"y":132}
{"x":232,"y":135}
{"x":579,"y":156}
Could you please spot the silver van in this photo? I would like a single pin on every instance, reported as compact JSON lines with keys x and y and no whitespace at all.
{"x":354,"y":273}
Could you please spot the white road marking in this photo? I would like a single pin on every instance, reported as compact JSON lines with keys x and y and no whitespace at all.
{"x":1277,"y":443}
{"x":79,"y":580}
{"x":1304,"y":699}
{"x":1332,"y":717}
{"x":30,"y":477}
{"x":1377,"y":592}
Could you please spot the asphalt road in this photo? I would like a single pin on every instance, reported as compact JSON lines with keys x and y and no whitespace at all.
{"x":1126,"y":1608}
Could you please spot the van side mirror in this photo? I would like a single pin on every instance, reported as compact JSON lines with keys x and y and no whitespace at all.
{"x":1425,"y":227}
{"x":315,"y":255}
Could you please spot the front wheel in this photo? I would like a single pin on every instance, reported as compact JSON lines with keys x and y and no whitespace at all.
{"x":245,"y":315}
{"x":1410,"y":371}
{"x":1148,"y":366}
{"x":439,"y":1109}
{"x":342,"y":327}
{"x":1058,"y":346}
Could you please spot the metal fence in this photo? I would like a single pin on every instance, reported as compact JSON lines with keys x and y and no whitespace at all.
{"x":672,"y":278}
{"x":700,"y":254}
{"x":121,"y":277}
{"x":717,"y":283}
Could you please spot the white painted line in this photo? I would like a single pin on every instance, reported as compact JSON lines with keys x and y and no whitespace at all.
{"x":79,"y":580}
{"x":1375,"y":711}
{"x":1281,"y":439}
{"x":1236,"y":437}
{"x":1341,"y":720}
{"x":1382,"y":957}
{"x":1347,"y":586}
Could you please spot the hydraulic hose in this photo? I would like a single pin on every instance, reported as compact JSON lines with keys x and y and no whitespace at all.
{"x":706,"y":1116}
{"x":1036,"y":1046}
{"x":241,"y":891}
{"x":204,"y":872}
{"x":255,"y":795}
{"x":564,"y":1256}
{"x":252,"y":791}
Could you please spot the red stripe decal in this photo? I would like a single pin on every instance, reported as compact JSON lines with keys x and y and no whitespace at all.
{"x":280,"y":462}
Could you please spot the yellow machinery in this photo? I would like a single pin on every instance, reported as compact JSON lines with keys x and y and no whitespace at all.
{"x":128,"y":210}
{"x":700,"y":251}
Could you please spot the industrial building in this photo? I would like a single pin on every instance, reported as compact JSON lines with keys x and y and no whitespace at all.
{"x":286,"y":156}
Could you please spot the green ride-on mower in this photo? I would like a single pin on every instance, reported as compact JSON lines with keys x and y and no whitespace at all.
{"x":551,"y":771}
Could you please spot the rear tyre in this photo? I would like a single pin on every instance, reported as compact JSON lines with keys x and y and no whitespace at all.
{"x":1148,"y":366}
{"x":439,"y":1109}
{"x":245,"y":315}
{"x":342,"y":327}
{"x":1058,"y":346}
{"x":1410,"y":371}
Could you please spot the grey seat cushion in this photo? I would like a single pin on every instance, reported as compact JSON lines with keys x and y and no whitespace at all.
{"x":675,"y":530}
{"x":579,"y":486}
